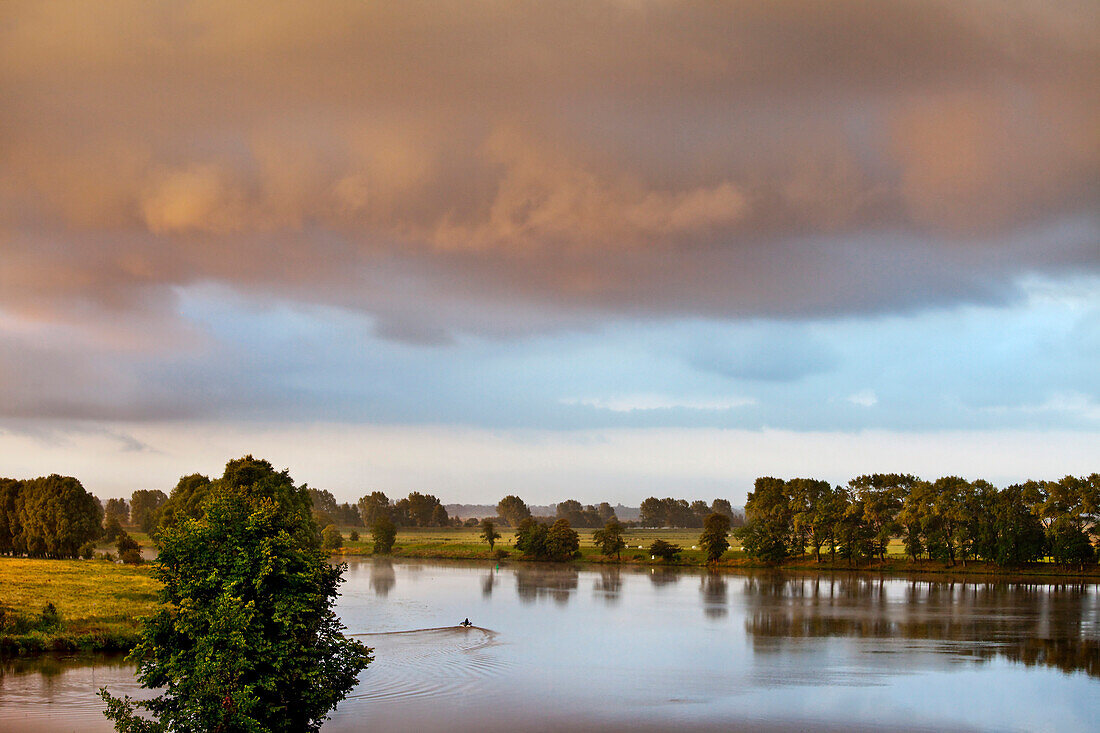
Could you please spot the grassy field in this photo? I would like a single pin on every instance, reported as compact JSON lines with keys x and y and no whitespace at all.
{"x":465,"y":542}
{"x":98,"y":602}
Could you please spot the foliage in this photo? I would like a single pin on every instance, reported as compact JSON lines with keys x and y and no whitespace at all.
{"x":145,"y":506}
{"x":129,"y":551}
{"x":610,"y":539}
{"x":512,"y":510}
{"x":331,"y":538}
{"x":185,"y":501}
{"x":246,"y":638}
{"x":531,"y":537}
{"x":117,"y":508}
{"x":353,"y":536}
{"x":111,"y":528}
{"x":664,"y":550}
{"x":562,"y":542}
{"x":768,"y":521}
{"x":669,"y":512}
{"x":489,"y":532}
{"x":373,"y":507}
{"x":715,"y":537}
{"x":384,"y":533}
{"x":578,"y":515}
{"x":50,"y":517}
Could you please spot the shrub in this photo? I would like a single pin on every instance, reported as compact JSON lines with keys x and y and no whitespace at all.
{"x":87,"y":550}
{"x":353,"y":536}
{"x":384,"y":533}
{"x":331,"y":538}
{"x":50,"y":618}
{"x":129,"y":551}
{"x":664,"y":550}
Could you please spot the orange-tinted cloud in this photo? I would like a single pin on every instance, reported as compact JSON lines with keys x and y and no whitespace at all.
{"x":437,"y":163}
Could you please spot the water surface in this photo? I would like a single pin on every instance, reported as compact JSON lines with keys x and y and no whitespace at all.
{"x":652,"y":649}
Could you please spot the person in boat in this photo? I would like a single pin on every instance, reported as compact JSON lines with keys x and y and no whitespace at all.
{"x":466,"y":622}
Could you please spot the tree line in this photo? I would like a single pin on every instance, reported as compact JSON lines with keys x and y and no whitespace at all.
{"x":951,"y":520}
{"x":51,"y":516}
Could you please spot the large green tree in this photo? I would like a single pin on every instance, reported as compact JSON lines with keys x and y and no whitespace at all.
{"x":768,"y":520}
{"x":185,"y":501}
{"x":56,"y":517}
{"x":246,"y":638}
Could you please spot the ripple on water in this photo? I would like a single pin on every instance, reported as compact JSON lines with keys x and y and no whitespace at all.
{"x":443,"y":662}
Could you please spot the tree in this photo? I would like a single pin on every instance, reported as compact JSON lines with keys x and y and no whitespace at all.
{"x":512,"y":510}
{"x":610,"y":539}
{"x":129,"y":551}
{"x":145,"y":506}
{"x":112,"y":530}
{"x":489,"y":532}
{"x":651,"y":512}
{"x":768,"y":521}
{"x":373,"y":507}
{"x":722,"y":506}
{"x":246,"y":638}
{"x":185,"y":501}
{"x":605,"y":512}
{"x":56,"y":516}
{"x":1019,"y":533}
{"x":664,"y":550}
{"x":715,"y":537}
{"x":11,"y":499}
{"x":562,"y":542}
{"x":531,"y":537}
{"x":384,"y":534}
{"x":331,"y":539}
{"x":119,"y":509}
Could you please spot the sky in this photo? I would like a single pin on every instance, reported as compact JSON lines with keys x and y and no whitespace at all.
{"x":597,"y":250}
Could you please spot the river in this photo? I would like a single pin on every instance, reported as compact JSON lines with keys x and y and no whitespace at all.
{"x":557,"y":648}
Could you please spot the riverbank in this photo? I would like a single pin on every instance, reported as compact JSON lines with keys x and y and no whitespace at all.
{"x":465,"y":544}
{"x":72,"y":605}
{"x":97,"y":605}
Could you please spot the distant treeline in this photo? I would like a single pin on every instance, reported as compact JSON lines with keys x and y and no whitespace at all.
{"x":950,"y":519}
{"x":52,"y":516}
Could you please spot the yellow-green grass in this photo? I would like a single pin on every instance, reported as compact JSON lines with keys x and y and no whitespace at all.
{"x":100,"y":604}
{"x":466,"y":542}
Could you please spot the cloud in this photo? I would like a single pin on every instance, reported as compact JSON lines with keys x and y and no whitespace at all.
{"x":647,"y":402}
{"x":671,"y":159}
{"x":864,"y":398}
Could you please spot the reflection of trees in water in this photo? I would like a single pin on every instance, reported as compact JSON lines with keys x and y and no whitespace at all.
{"x":1050,"y":625}
{"x":487,"y":584}
{"x":557,"y":583}
{"x":610,"y":583}
{"x":664,"y":576}
{"x":714,"y":589}
{"x":382,"y":577}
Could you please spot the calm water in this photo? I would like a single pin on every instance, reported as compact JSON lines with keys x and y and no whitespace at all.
{"x":658,"y":650}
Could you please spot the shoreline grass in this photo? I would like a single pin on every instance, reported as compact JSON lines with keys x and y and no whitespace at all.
{"x":99,"y":605}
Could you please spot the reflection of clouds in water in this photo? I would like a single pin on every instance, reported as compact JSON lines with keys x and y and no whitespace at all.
{"x":556,"y":583}
{"x":382,"y":576}
{"x":1047,"y":625}
{"x":714,"y":590}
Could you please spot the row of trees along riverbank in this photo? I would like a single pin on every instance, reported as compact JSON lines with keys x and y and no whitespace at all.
{"x":951,"y":520}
